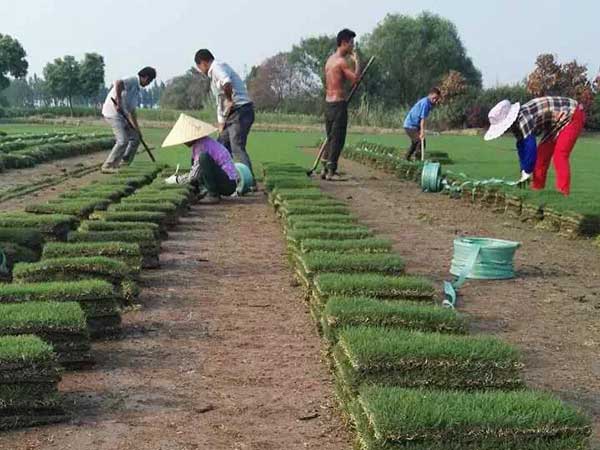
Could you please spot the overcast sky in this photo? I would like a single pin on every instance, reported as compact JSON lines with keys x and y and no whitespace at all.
{"x":502,"y":36}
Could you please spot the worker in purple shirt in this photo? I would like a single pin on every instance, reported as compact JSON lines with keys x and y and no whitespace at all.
{"x":213,"y":170}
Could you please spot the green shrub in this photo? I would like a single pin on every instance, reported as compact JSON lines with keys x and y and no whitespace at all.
{"x":341,"y":312}
{"x":320,"y":262}
{"x":129,"y":253}
{"x":367,"y":245}
{"x":149,"y":246}
{"x":97,"y":299}
{"x":52,"y":226}
{"x":396,"y":418}
{"x":406,"y":358}
{"x":373,"y":285}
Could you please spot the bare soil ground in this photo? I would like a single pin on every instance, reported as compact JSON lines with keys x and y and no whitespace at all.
{"x":551,"y":310}
{"x":42,"y":172}
{"x":221,"y":353}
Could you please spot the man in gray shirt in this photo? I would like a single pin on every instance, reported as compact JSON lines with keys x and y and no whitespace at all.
{"x":235,"y":111}
{"x":125,"y":94}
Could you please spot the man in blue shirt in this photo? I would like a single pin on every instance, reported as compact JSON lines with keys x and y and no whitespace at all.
{"x":414,"y":124}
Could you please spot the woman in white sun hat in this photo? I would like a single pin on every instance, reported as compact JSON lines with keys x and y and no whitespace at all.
{"x":213,"y":169}
{"x":558,"y":120}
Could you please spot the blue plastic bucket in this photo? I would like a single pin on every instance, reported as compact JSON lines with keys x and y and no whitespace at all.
{"x":245,"y":179}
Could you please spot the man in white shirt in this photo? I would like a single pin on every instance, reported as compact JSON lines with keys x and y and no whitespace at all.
{"x":235,"y":111}
{"x":126,"y":94}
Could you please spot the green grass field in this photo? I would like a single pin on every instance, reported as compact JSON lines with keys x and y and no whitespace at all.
{"x":471,"y":155}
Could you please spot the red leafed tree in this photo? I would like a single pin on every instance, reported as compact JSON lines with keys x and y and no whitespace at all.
{"x":452,"y":85}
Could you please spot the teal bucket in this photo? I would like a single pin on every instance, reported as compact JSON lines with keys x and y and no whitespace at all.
{"x":245,"y":178}
{"x":479,"y":258}
{"x":431,"y":177}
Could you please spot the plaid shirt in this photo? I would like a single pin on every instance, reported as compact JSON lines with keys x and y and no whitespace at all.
{"x":545,"y":116}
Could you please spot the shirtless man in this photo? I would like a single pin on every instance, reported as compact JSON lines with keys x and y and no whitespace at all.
{"x":337,"y":72}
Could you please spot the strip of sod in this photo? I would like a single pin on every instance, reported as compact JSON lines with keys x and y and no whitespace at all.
{"x":307,"y":203}
{"x":303,"y":210}
{"x":327,"y":262}
{"x":324,"y":218}
{"x":180,"y":200}
{"x":395,"y":418}
{"x":113,"y":193}
{"x":146,"y":239}
{"x":342,"y":312}
{"x":129,"y":253}
{"x":168,"y":209}
{"x":97,"y":299}
{"x":53,"y":227}
{"x":63,"y":325}
{"x":158,"y":218}
{"x":301,"y":225}
{"x":279,"y":196}
{"x":79,"y":208}
{"x":373,"y":285}
{"x":297,"y":236}
{"x":25,"y":237}
{"x":397,"y":357}
{"x":367,"y":245}
{"x":287,"y":182}
{"x":102,"y":225}
{"x":75,"y":269}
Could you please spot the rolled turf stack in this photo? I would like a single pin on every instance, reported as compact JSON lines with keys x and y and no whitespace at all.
{"x":97,"y":299}
{"x":407,"y":373}
{"x":62,"y":325}
{"x":29,"y":376}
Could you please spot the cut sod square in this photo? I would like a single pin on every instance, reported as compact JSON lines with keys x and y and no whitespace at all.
{"x":308,"y":209}
{"x":102,"y":225}
{"x":366,"y":245}
{"x":149,"y":245}
{"x":341,"y":312}
{"x":304,"y":225}
{"x":324,"y":218}
{"x":129,"y":253}
{"x":63,"y":325}
{"x":398,"y":357}
{"x":279,"y":196}
{"x":54,"y":227}
{"x":389,"y":418}
{"x":76,"y":269}
{"x":287,"y":182}
{"x":296,"y":237}
{"x":158,"y":218}
{"x":97,"y":298}
{"x":314,"y":263}
{"x":79,"y":208}
{"x":311,"y":203}
{"x":171,"y":212}
{"x":373,"y":285}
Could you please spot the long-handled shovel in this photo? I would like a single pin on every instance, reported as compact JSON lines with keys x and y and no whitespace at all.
{"x":138,"y":131}
{"x":354,"y":89}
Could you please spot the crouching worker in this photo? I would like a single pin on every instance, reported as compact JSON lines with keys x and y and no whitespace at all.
{"x":558,"y":120}
{"x":213,"y":170}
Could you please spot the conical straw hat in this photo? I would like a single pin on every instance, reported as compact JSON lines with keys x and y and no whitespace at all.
{"x":187,"y":129}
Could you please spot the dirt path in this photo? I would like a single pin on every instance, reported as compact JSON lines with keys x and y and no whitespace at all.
{"x":221,"y":355}
{"x":27,"y":177}
{"x":551,"y":310}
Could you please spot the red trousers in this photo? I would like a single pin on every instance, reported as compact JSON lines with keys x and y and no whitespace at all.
{"x":559,"y":150}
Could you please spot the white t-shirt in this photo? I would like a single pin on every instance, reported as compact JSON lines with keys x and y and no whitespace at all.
{"x":220,"y":74}
{"x":130,"y":98}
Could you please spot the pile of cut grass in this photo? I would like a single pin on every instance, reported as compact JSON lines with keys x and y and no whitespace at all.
{"x":313,"y":263}
{"x":343,"y":312}
{"x":145,"y":238}
{"x":63,"y":325}
{"x":54,"y":227}
{"x":367,"y":245}
{"x":407,"y":358}
{"x":389,"y":418}
{"x":101,"y":225}
{"x":29,"y":376}
{"x":77,"y":269}
{"x":74,"y":207}
{"x":97,"y":298}
{"x":129,"y":253}
{"x":373,"y":285}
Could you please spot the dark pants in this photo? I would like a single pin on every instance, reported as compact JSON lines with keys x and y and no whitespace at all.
{"x":212,"y":177}
{"x":415,"y":143}
{"x":235,"y":134}
{"x":336,"y":124}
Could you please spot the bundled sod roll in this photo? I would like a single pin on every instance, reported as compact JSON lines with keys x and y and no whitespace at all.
{"x":373,"y":285}
{"x":129,"y":253}
{"x":146,"y":239}
{"x":79,"y":208}
{"x":24,"y":237}
{"x":158,"y":218}
{"x":97,"y":298}
{"x":397,"y":357}
{"x":101,"y":225}
{"x":54,"y":227}
{"x":29,"y":376}
{"x":416,"y":419}
{"x":63,"y":325}
{"x":75,"y":269}
{"x":367,"y":245}
{"x":341,"y":312}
